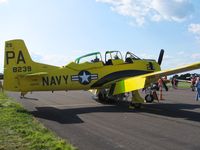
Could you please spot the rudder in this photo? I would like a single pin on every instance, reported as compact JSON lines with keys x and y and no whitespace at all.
{"x":17,"y":62}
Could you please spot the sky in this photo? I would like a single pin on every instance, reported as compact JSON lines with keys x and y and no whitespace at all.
{"x":56,"y":32}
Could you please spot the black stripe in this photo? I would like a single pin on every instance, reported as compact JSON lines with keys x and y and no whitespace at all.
{"x":112,"y":88}
{"x":118,"y":75}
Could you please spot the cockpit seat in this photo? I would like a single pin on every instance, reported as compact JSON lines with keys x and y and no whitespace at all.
{"x":109,"y":62}
{"x":129,"y":60}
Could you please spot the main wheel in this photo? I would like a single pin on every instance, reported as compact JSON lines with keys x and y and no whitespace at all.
{"x":149,"y":98}
{"x":102,"y":98}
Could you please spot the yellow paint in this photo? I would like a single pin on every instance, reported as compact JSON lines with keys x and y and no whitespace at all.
{"x":24,"y":75}
{"x":136,"y":98}
{"x":130,"y":84}
{"x":139,"y":82}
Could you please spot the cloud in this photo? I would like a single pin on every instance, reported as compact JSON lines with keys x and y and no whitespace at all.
{"x":195,"y":29}
{"x":153,"y":10}
{"x":196,"y":56}
{"x":172,"y":10}
{"x":52,"y":59}
{"x":3,"y":1}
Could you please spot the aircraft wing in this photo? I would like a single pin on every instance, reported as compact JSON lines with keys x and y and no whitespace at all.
{"x":141,"y":81}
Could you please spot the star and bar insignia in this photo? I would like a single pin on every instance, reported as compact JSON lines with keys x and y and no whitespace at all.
{"x":84,"y":77}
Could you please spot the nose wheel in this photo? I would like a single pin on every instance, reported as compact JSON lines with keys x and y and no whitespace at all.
{"x":149,"y":98}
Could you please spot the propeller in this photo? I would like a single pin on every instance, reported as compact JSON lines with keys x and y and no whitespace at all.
{"x":160,"y":58}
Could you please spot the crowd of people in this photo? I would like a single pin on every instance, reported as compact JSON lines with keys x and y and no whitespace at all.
{"x":194,"y":80}
{"x":195,"y":84}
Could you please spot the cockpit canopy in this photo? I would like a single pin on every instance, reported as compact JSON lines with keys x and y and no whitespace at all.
{"x":92,"y":57}
{"x":113,"y":55}
{"x":130,"y":57}
{"x":110,"y":57}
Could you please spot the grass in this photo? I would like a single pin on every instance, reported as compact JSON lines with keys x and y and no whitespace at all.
{"x":184,"y":85}
{"x":19,"y":130}
{"x":181,"y":85}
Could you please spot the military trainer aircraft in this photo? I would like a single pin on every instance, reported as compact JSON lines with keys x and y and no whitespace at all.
{"x":109,"y":79}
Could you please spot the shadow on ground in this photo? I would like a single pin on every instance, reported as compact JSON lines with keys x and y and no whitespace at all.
{"x":70,"y":116}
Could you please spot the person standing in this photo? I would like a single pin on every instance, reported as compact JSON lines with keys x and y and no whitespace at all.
{"x":160,"y":86}
{"x":198,"y":88}
{"x":193,"y":82}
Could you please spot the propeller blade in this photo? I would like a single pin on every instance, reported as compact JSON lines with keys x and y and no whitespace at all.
{"x":160,"y":58}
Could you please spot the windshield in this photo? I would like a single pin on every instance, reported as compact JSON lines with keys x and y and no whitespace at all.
{"x":113,"y":55}
{"x":131,"y":55}
{"x":92,"y":57}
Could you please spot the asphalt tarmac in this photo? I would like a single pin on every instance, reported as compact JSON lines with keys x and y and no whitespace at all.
{"x":172,"y":124}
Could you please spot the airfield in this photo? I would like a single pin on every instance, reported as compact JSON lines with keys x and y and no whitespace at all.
{"x":174,"y":123}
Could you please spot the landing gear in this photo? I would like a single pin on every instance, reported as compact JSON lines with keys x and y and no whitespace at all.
{"x":104,"y":97}
{"x":137,"y":100}
{"x":101,"y":95}
{"x":151,"y":94}
{"x":23,"y":95}
{"x":149,"y":98}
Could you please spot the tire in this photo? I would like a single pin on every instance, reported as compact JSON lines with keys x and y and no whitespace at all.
{"x":101,"y":97}
{"x":149,"y":98}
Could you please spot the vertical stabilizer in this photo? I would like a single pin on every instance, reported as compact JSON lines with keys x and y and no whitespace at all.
{"x":17,"y":62}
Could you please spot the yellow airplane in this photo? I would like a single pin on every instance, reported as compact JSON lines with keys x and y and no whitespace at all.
{"x":107,"y":79}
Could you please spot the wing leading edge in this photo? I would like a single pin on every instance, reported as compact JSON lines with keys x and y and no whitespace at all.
{"x":141,"y":81}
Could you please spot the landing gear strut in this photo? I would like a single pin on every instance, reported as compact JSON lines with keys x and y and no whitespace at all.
{"x":102,"y":96}
{"x":149,"y":98}
{"x":23,"y":95}
{"x":137,"y":100}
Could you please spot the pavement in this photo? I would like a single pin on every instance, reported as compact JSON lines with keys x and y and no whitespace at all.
{"x":174,"y":123}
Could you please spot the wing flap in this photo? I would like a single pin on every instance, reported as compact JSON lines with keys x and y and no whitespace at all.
{"x":129,"y":84}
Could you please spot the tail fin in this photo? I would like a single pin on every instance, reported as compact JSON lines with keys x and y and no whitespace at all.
{"x":17,"y":61}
